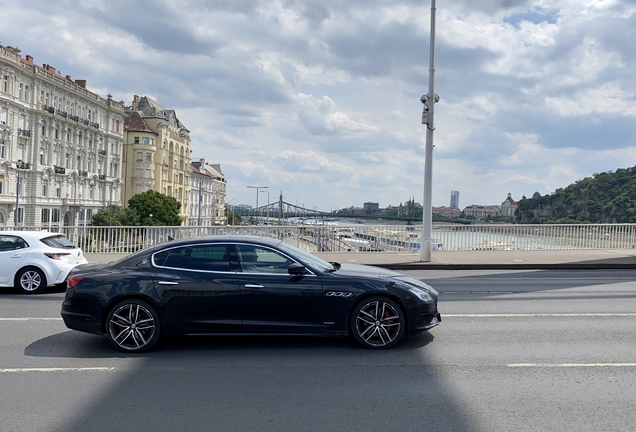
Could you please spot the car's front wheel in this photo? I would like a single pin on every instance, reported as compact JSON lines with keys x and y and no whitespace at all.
{"x":133,"y":326}
{"x":30,"y":280}
{"x":378,"y":323}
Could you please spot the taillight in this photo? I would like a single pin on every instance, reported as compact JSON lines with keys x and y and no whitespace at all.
{"x":73,"y":280}
{"x":56,"y":256}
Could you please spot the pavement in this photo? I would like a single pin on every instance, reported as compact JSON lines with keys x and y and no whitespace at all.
{"x":471,"y":260}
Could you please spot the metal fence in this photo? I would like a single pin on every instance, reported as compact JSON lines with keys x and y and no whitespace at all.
{"x":367,"y":238}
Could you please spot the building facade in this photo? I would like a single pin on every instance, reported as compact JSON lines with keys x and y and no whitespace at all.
{"x":60,"y":146}
{"x":454,"y":200}
{"x":157,"y":153}
{"x":207,"y":195}
{"x":508,"y":207}
{"x":482,"y":211}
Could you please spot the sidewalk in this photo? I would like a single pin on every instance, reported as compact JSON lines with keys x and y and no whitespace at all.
{"x":471,"y":260}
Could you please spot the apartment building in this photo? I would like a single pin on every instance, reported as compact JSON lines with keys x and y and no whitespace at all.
{"x":60,"y":146}
{"x":207,"y":195}
{"x":157,"y":153}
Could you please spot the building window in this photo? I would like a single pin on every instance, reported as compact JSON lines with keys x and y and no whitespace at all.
{"x":3,"y":116}
{"x":5,"y":83}
{"x":91,"y":193}
{"x":43,"y":128}
{"x":20,"y":217}
{"x":20,"y":91}
{"x":148,"y":174}
{"x":148,"y":157}
{"x":58,"y":190}
{"x":55,"y":216}
{"x":146,"y":140}
{"x":41,"y":156}
{"x":136,"y":140}
{"x":138,"y":172}
{"x":68,"y":135}
{"x":45,"y":188}
{"x":137,"y":189}
{"x":22,"y":122}
{"x":20,"y":152}
{"x":46,"y":214}
{"x":2,"y":146}
{"x":1,"y":184}
{"x":26,"y":93}
{"x":68,"y":161}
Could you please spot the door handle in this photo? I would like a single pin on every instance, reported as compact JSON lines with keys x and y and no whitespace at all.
{"x":168,"y":283}
{"x":254,"y":286}
{"x":16,"y":256}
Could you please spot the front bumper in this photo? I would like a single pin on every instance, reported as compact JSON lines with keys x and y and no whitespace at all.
{"x":424,"y":317}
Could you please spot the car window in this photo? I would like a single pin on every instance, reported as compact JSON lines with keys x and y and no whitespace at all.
{"x":9,"y":243}
{"x":256,"y":259}
{"x":196,"y":257}
{"x":58,"y":241}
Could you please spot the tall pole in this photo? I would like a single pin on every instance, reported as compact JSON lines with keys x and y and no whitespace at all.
{"x":267,"y":192}
{"x":17,"y":200}
{"x":200,"y":197}
{"x":427,"y":119}
{"x":257,"y":189}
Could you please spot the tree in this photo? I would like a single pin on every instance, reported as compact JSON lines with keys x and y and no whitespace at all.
{"x":115,"y":215}
{"x":156,"y":209}
{"x":232,"y":217}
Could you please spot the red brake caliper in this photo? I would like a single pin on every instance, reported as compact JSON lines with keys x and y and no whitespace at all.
{"x":386,"y":315}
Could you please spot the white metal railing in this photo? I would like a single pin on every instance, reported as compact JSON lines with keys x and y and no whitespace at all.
{"x":367,"y":238}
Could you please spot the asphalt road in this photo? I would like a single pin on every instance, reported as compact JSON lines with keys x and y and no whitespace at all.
{"x":516,"y":351}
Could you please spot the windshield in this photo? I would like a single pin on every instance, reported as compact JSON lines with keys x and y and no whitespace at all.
{"x":58,"y":241}
{"x":306,"y":257}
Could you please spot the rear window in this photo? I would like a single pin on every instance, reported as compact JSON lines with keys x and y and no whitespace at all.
{"x":58,"y":241}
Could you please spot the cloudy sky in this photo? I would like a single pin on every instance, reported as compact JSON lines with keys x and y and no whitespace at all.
{"x":320,"y":98}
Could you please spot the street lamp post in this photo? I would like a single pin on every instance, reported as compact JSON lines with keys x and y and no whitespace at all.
{"x":257,"y":189}
{"x":429,"y":101}
{"x":17,"y":199}
{"x":267,"y":192}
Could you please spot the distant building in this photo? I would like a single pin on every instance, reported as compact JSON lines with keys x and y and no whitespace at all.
{"x":370,"y":207}
{"x":454,"y":202}
{"x":508,"y":207}
{"x":157,"y":153}
{"x":449,"y":212}
{"x":60,"y":146}
{"x":207,"y":194}
{"x":482,"y":211}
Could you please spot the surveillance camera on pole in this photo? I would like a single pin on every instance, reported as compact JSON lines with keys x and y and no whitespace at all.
{"x":426,"y":100}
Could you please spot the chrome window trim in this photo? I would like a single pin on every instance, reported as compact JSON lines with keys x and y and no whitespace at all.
{"x":152,"y":260}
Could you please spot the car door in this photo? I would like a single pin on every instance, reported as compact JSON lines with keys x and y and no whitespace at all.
{"x":197,"y":288}
{"x":13,"y":250}
{"x":273,"y":300}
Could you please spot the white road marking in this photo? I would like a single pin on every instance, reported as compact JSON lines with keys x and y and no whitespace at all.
{"x":570,"y":365}
{"x":59,"y":369}
{"x":30,"y":319}
{"x":526,"y":315}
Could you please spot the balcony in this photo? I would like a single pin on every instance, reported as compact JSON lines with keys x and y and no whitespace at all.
{"x":48,"y":109}
{"x":61,"y":113}
{"x":102,"y":177}
{"x":22,"y":165}
{"x":102,"y":152}
{"x":74,"y":118}
{"x":59,"y":169}
{"x":24,"y":132}
{"x":82,"y":173}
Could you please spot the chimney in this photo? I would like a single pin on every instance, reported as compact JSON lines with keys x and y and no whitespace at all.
{"x":68,"y":77}
{"x":48,"y":68}
{"x":81,"y":83}
{"x":135,"y":102}
{"x":29,"y":59}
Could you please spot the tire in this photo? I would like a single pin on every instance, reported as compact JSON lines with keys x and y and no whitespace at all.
{"x":133,"y":326}
{"x":30,"y":280}
{"x":377,"y":323}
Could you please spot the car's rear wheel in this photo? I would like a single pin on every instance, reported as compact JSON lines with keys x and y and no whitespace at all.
{"x":133,"y":326}
{"x":377,"y":323}
{"x":30,"y":280}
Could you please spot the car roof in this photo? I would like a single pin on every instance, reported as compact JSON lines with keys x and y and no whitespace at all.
{"x":225,"y":239}
{"x":37,"y":235}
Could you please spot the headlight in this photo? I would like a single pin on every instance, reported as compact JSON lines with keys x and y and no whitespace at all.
{"x":422,"y":295}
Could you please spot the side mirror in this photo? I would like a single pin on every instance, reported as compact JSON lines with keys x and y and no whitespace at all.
{"x":296,"y":269}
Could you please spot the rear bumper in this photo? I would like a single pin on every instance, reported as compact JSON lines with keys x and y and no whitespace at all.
{"x":81,"y":322}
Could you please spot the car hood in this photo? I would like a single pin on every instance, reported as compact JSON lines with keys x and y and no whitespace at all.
{"x":364,"y":270}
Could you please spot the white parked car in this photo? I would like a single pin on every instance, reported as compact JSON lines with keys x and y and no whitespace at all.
{"x":32,"y":260}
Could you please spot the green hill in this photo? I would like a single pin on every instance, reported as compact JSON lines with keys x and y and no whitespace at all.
{"x":609,"y":197}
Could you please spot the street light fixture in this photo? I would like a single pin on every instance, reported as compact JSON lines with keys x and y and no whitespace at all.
{"x":429,"y":101}
{"x":257,"y":189}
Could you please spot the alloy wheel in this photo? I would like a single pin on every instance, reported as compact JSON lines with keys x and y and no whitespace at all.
{"x":132,"y":327}
{"x":378,"y":324}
